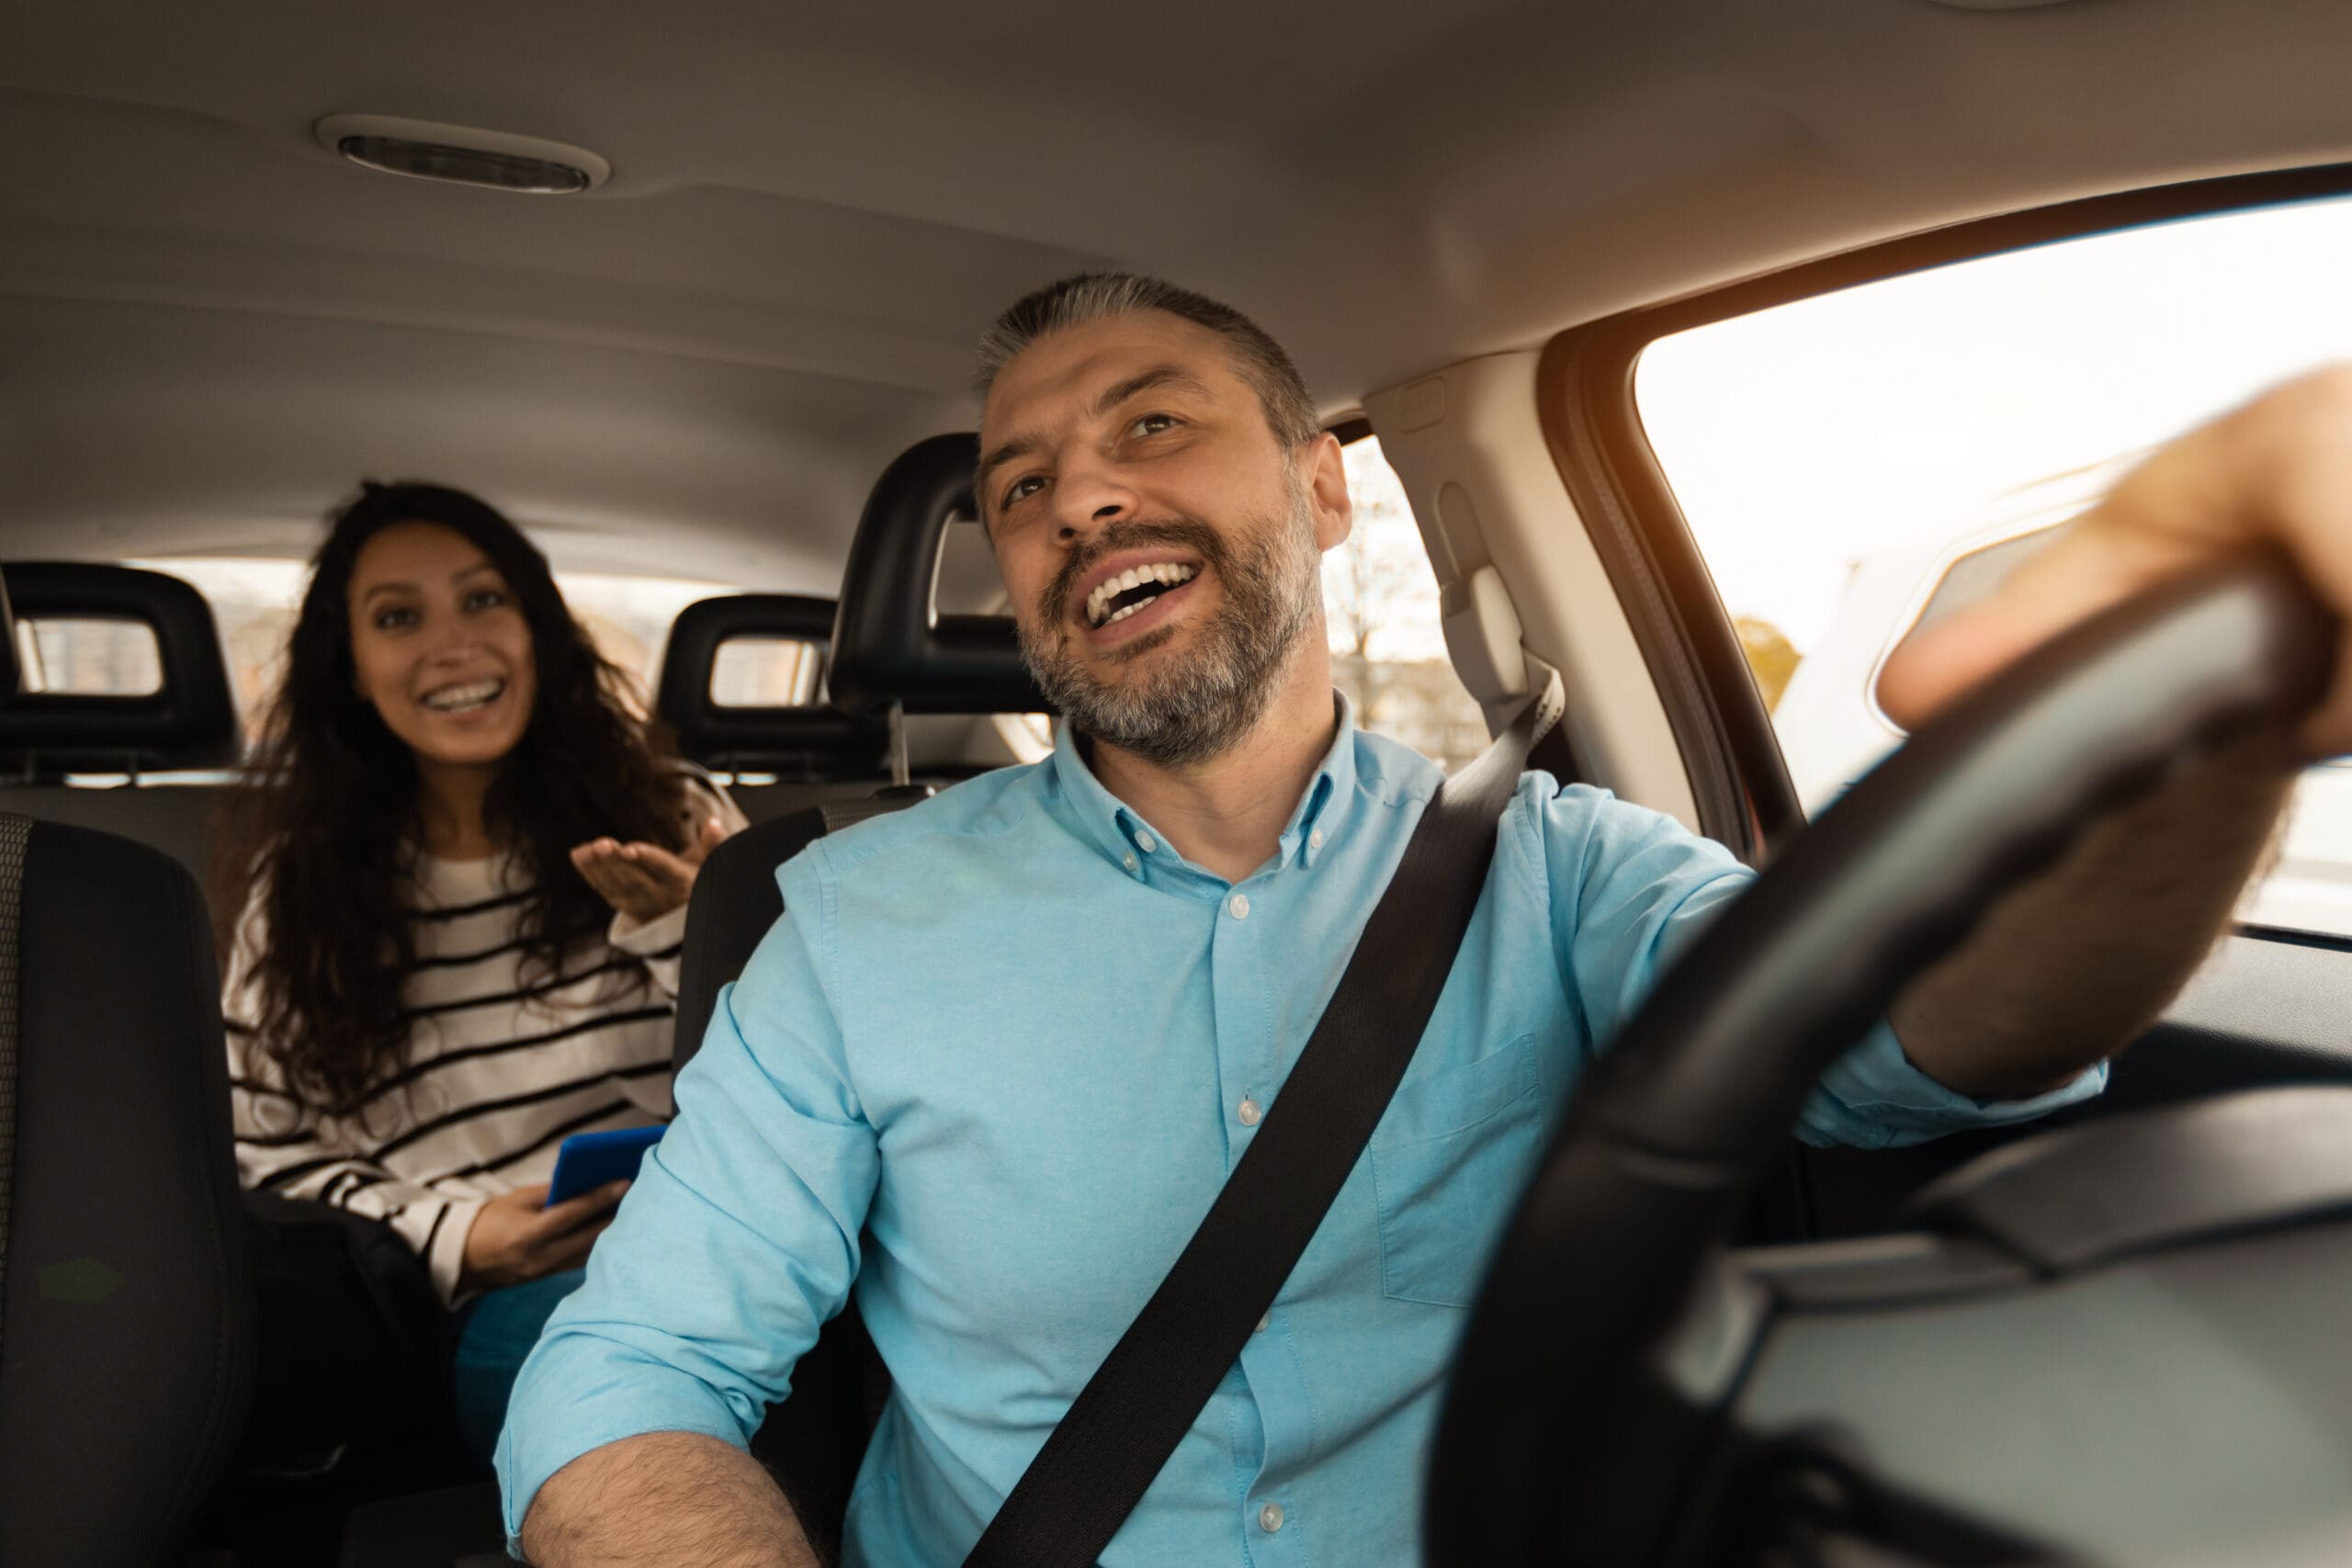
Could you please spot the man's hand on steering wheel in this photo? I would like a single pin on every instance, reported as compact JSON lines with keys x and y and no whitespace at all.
{"x":2277,"y":471}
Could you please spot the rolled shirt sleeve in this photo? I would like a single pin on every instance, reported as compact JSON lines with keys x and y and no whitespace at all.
{"x":738,"y":1242}
{"x":1631,"y":888}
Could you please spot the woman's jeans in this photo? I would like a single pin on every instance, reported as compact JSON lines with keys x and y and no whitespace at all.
{"x":495,"y":1332}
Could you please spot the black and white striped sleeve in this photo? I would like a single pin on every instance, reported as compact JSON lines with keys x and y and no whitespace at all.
{"x":284,"y":1147}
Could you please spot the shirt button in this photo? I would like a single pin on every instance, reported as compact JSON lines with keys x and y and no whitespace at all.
{"x":1247,"y":1112}
{"x":1264,"y":1322}
{"x":1145,"y":842}
{"x":1239,"y":905}
{"x":1129,"y":861}
{"x":1270,"y":1517}
{"x":1315,"y":839}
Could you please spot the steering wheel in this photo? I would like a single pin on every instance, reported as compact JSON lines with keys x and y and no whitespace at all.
{"x":1548,"y":1448}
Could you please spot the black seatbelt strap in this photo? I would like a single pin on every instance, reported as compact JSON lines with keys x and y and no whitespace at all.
{"x":1099,"y":1463}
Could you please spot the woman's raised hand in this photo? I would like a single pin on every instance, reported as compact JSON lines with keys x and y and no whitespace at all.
{"x":645,"y":881}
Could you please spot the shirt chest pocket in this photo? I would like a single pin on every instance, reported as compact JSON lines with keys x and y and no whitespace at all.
{"x":1448,"y":1164}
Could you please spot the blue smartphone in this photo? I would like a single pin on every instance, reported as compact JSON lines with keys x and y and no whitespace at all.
{"x":588,"y":1160}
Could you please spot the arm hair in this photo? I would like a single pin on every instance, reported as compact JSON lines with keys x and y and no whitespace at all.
{"x":678,"y":1499}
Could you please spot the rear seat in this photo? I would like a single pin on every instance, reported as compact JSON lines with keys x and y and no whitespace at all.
{"x":191,"y":724}
{"x":814,"y":753}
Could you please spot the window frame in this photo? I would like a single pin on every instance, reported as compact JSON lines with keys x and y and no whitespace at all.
{"x":1585,"y":392}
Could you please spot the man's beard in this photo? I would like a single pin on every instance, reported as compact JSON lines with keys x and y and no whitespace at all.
{"x":1188,"y":708}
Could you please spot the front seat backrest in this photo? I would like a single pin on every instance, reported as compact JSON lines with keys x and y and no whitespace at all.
{"x":888,"y":649}
{"x":126,"y":1315}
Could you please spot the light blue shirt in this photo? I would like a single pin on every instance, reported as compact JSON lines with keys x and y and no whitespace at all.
{"x":994,"y":1063}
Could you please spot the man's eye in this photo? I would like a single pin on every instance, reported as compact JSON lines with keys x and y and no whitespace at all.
{"x":1022,"y":489}
{"x":1154,"y":424}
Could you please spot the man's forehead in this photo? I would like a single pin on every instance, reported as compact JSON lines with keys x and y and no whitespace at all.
{"x":1064,"y":370}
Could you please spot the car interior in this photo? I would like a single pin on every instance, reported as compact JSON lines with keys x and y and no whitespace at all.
{"x":693,"y":295}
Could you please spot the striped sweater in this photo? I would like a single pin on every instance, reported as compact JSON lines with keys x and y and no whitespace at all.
{"x":504,"y":1063}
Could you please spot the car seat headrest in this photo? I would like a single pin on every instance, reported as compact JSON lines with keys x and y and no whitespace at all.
{"x":805,"y":739}
{"x":890,"y":645}
{"x":189,"y":719}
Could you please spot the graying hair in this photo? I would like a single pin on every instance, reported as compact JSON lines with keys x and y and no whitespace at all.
{"x":1098,"y":296}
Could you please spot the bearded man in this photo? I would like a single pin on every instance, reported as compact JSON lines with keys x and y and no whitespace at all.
{"x":1004,"y":1048}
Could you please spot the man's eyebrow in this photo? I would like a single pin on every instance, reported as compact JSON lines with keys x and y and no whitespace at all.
{"x":1019,"y":446}
{"x":1171,"y":376}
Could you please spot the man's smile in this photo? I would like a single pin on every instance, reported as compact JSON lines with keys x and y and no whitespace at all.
{"x":1124,"y":596}
{"x":1117,"y":597}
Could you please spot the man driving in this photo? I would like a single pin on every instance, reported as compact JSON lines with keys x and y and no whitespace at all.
{"x":1005,"y":1047}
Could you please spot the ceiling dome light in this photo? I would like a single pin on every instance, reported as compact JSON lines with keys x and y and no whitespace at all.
{"x":493,"y":159}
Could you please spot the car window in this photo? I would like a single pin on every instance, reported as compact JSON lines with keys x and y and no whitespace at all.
{"x":1388,"y":645}
{"x":253,"y":603}
{"x":90,"y":656}
{"x":1850,"y":463}
{"x":766,"y":672}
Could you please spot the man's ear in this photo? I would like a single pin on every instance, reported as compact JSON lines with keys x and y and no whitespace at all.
{"x":1323,"y":466}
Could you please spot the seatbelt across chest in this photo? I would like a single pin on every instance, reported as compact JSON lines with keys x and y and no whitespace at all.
{"x":1128,"y":1419}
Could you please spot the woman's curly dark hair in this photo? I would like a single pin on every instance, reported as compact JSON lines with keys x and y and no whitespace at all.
{"x":324,"y":829}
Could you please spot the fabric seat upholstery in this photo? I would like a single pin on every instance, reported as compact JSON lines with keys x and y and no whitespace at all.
{"x":126,"y":1315}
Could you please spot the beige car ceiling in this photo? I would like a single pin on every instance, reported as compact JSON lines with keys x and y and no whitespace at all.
{"x":211,"y":326}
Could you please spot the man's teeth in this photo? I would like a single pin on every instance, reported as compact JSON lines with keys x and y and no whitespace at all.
{"x":1168,"y":574}
{"x":457,"y":699}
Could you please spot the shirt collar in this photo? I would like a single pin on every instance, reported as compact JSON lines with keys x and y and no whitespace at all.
{"x":1123,"y":837}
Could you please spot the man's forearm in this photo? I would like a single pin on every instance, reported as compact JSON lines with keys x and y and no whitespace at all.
{"x":2074,"y":964}
{"x":678,"y":1499}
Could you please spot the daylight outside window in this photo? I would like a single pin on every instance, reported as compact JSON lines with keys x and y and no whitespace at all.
{"x":1387,"y":643}
{"x":765,"y":672}
{"x":1850,"y":462}
{"x":90,"y":656}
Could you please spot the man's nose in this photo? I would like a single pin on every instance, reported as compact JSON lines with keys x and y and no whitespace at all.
{"x":1089,"y":496}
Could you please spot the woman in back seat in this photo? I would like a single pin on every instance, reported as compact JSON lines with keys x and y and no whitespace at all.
{"x":455,"y":891}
